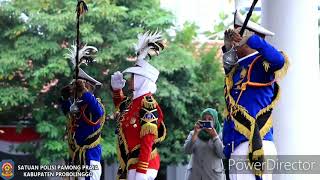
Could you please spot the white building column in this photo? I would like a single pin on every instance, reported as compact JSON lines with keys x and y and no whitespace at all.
{"x":297,"y":116}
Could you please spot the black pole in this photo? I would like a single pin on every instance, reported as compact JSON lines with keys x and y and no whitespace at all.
{"x":78,"y":47}
{"x":248,"y":17}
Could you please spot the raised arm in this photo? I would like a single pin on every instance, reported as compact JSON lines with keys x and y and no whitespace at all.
{"x":117,"y":97}
{"x":117,"y":83}
{"x":270,"y":54}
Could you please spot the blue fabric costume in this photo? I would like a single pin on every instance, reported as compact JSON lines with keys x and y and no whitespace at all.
{"x":85,"y":128}
{"x":251,"y":92}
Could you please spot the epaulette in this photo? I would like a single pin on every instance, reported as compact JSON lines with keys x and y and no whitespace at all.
{"x":149,"y":102}
{"x":149,"y":116}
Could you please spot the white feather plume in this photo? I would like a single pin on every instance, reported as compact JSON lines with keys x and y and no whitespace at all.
{"x":145,"y":39}
{"x":84,"y":54}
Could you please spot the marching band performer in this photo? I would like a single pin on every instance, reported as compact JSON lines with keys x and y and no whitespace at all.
{"x":85,"y":112}
{"x":252,"y":67}
{"x":84,"y":127}
{"x":140,"y":119}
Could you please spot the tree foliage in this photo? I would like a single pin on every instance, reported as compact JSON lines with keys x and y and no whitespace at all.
{"x":34,"y":36}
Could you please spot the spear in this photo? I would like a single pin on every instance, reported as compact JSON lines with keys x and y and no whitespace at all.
{"x":81,"y":9}
{"x":248,"y":17}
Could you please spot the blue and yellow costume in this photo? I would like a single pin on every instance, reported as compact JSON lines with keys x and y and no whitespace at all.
{"x":251,"y":92}
{"x":84,"y":129}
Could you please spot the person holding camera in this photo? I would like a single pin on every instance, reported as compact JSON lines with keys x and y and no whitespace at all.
{"x":206,"y":148}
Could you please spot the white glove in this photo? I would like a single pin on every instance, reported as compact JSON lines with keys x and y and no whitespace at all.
{"x":228,"y":39}
{"x":117,"y":81}
{"x":141,"y":176}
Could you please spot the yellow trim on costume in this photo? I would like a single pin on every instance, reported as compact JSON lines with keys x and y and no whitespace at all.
{"x":241,"y":128}
{"x":142,"y":165}
{"x":149,"y":120}
{"x":255,"y":156}
{"x":149,"y":128}
{"x":149,"y":104}
{"x":101,"y":119}
{"x":235,"y":107}
{"x":257,"y":153}
{"x":266,"y":65}
{"x":148,"y":110}
{"x":254,"y":170}
{"x":279,"y":74}
{"x":272,"y":105}
{"x":160,"y":139}
{"x":135,"y":148}
{"x":123,"y":138}
{"x":225,"y":112}
{"x":132,"y":161}
{"x":252,"y":126}
{"x":266,"y":128}
{"x":121,"y":161}
{"x":143,"y":168}
{"x":73,"y":144}
{"x":154,"y":153}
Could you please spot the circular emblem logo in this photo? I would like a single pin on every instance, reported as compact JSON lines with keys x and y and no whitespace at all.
{"x":7,"y":169}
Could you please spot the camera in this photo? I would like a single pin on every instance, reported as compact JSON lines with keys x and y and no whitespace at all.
{"x":205,"y":124}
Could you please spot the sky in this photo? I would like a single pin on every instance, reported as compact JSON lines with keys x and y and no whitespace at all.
{"x":205,"y":13}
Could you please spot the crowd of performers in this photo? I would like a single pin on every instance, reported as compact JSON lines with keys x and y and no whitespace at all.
{"x":252,"y":67}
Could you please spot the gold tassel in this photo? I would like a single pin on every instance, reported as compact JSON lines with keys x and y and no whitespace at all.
{"x":255,"y":171}
{"x":255,"y":156}
{"x":149,"y":128}
{"x":257,"y":153}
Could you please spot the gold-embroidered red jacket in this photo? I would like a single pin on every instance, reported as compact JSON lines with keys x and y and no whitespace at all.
{"x":140,"y":129}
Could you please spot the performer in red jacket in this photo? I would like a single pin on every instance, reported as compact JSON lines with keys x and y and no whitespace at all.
{"x":140,"y":119}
